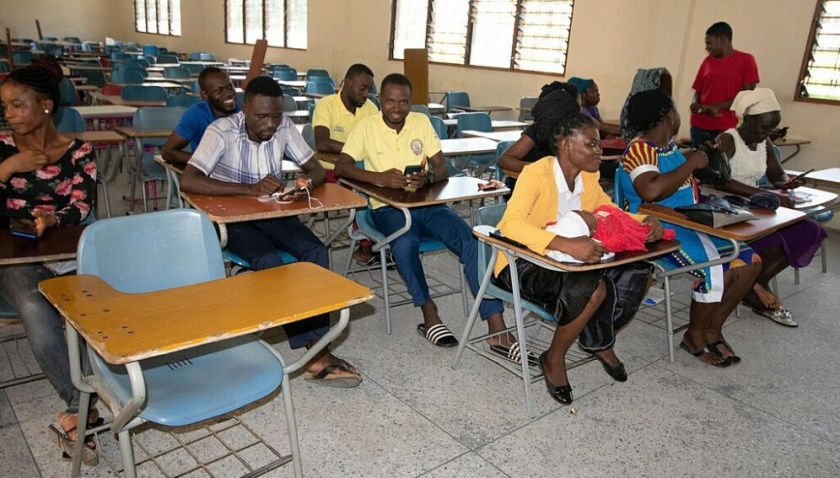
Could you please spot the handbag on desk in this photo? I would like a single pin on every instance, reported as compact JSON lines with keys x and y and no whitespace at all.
{"x":716,"y":212}
{"x":718,"y":171}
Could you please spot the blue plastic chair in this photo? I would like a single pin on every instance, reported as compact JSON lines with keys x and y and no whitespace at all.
{"x":375,"y":100}
{"x":478,"y":163}
{"x":22,"y":58}
{"x":168,"y":58}
{"x":309,"y":135}
{"x":184,"y":101}
{"x":194,"y":56}
{"x":68,"y":120}
{"x":151,"y":50}
{"x":455,"y":99}
{"x":320,"y":88}
{"x":127,"y":77}
{"x":94,"y":77}
{"x":313,"y":72}
{"x":421,"y":109}
{"x":289,"y":103}
{"x":146,"y":169}
{"x":117,"y":56}
{"x":126,"y":252}
{"x":131,"y":65}
{"x":284,"y":74}
{"x":67,"y":91}
{"x":144,"y":93}
{"x":178,"y":72}
{"x":500,"y":149}
{"x":490,"y":216}
{"x":367,"y":230}
{"x":322,"y":79}
{"x":194,"y":68}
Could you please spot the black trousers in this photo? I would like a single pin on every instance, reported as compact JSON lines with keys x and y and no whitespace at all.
{"x":565,"y":295}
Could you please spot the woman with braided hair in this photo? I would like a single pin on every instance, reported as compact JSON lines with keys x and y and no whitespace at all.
{"x":556,"y":101}
{"x":588,"y":306}
{"x":48,"y":180}
{"x":654,"y":170}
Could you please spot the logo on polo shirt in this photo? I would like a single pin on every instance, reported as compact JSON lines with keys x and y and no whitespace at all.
{"x":416,"y":146}
{"x":339,"y":129}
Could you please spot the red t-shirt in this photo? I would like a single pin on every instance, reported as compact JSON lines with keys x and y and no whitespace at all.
{"x":719,"y":80}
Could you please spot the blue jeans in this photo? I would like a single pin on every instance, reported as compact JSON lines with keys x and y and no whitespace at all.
{"x":443,"y":224}
{"x":257,"y":242}
{"x":700,"y":136}
{"x":43,"y":325}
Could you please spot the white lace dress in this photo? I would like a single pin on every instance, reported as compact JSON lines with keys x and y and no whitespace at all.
{"x":748,"y":166}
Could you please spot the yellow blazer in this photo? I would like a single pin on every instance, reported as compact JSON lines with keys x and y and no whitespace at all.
{"x":534,"y":204}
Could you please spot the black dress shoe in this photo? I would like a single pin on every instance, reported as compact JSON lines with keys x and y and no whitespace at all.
{"x":617,"y":373}
{"x":562,"y":394}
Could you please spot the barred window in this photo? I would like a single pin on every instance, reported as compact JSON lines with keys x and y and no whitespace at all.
{"x":282,"y":23}
{"x":162,"y":17}
{"x":819,"y":77}
{"x":527,"y":35}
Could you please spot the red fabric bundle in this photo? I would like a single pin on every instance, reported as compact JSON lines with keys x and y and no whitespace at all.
{"x":618,"y":231}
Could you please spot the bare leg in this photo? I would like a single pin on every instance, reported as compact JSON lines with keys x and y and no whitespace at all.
{"x":565,"y":335}
{"x":706,"y":319}
{"x":760,"y":297}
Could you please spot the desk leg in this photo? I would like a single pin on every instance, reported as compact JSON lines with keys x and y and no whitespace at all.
{"x":520,"y":332}
{"x":795,"y":152}
{"x":482,"y":288}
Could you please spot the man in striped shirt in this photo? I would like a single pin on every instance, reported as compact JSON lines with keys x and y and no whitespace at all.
{"x":242,"y":155}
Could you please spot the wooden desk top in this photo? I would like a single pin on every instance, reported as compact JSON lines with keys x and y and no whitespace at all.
{"x":655,"y":249}
{"x":818,"y":198}
{"x":493,"y":136}
{"x":826,"y":177}
{"x":227,"y":209}
{"x":288,"y":166}
{"x":99,"y":137}
{"x":57,"y":244}
{"x":131,"y":132}
{"x":106,"y":111}
{"x":125,"y":328}
{"x":767,"y":222}
{"x":297,"y":114}
{"x":459,"y":146}
{"x":791,"y":140}
{"x":441,"y":192}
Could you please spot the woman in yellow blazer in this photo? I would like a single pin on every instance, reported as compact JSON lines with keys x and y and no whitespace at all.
{"x":591,"y":304}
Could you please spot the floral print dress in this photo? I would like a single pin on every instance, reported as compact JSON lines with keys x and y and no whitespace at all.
{"x":65,"y":188}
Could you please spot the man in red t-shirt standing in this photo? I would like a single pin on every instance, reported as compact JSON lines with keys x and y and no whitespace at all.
{"x":723,"y":73}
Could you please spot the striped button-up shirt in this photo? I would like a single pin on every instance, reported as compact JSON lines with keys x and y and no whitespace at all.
{"x":225,"y":152}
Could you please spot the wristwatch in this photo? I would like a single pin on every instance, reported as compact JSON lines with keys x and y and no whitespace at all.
{"x":430,"y":177}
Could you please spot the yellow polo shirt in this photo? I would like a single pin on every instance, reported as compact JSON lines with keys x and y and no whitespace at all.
{"x":331,"y":113}
{"x":382,"y":148}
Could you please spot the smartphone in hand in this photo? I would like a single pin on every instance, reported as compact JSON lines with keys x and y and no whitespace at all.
{"x":412,"y":170}
{"x":23,"y":228}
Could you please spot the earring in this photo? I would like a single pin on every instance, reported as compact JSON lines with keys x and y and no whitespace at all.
{"x":46,"y":111}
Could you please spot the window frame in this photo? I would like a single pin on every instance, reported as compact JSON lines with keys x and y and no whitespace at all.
{"x":809,"y":48}
{"x":468,"y":40}
{"x":264,"y":33}
{"x":157,"y":11}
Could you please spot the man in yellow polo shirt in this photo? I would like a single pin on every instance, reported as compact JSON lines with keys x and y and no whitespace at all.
{"x":333,"y":119}
{"x":388,"y":143}
{"x":336,"y":115}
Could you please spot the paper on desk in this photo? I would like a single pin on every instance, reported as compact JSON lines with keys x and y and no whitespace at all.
{"x":654,"y":296}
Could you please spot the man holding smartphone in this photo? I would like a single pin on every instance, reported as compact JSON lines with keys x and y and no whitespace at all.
{"x":393,"y":144}
{"x":242,"y":155}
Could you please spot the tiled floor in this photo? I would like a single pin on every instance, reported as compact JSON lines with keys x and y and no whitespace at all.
{"x":775,"y":414}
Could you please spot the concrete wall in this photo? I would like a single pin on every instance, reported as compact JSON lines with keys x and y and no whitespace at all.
{"x":610,"y":39}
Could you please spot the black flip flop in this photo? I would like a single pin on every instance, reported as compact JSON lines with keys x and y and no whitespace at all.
{"x":706,"y":350}
{"x":735,"y":359}
{"x":438,"y":335}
